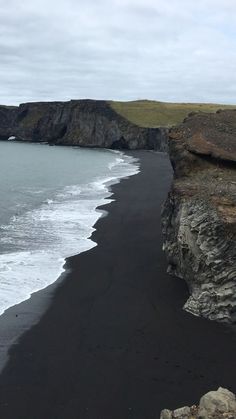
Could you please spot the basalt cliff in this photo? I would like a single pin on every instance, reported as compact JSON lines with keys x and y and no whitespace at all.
{"x":199,"y":216}
{"x":87,"y":123}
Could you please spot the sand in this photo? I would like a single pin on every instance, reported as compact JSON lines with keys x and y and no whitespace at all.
{"x":112,"y":340}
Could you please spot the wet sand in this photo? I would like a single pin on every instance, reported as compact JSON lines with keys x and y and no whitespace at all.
{"x":114,"y":342}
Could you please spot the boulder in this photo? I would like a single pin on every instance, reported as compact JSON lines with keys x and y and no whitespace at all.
{"x":166,"y":414}
{"x":220,"y":403}
{"x":182,"y":413}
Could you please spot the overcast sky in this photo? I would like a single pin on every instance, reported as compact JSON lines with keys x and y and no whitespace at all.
{"x":168,"y":50}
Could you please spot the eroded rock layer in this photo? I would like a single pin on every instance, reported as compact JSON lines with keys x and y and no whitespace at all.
{"x":87,"y":123}
{"x":199,"y":216}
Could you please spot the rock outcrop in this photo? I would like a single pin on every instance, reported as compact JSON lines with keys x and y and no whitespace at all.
{"x":199,"y":216}
{"x":87,"y":123}
{"x":220,"y":404}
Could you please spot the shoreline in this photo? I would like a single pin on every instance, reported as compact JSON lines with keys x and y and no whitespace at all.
{"x":114,"y":341}
{"x":67,"y":213}
{"x":20,"y":317}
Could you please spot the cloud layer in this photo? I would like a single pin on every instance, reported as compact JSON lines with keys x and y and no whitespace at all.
{"x":179,"y":50}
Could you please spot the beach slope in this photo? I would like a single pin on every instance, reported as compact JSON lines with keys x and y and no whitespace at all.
{"x":115,"y":342}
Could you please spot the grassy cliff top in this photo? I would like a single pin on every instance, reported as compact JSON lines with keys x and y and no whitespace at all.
{"x":147,"y":113}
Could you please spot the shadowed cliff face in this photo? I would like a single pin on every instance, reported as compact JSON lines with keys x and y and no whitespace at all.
{"x":86,"y":123}
{"x":7,"y":116}
{"x":199,"y":216}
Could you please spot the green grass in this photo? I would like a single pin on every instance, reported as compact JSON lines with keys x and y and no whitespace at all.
{"x":147,"y":113}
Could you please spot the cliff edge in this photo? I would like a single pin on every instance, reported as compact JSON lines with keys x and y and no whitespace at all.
{"x":87,"y":123}
{"x":199,"y":215}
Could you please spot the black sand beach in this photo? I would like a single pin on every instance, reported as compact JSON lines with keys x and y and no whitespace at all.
{"x":115,"y":342}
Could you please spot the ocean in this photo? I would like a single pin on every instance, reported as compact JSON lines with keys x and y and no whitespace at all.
{"x":48,"y":207}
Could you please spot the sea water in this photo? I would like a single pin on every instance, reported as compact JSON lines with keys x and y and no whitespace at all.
{"x":48,"y":207}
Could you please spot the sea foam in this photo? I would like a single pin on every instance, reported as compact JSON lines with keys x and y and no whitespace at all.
{"x":41,"y":239}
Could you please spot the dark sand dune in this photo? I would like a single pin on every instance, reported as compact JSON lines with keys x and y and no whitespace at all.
{"x":115,"y":343}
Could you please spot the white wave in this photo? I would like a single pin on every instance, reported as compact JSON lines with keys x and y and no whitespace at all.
{"x":115,"y":163}
{"x":42,"y":238}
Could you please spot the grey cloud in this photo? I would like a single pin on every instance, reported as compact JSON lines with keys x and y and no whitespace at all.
{"x":117,"y":49}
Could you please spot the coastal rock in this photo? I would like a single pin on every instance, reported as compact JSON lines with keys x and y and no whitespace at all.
{"x":208,"y":141}
{"x":183,"y":412}
{"x":199,"y":215}
{"x":166,"y":414}
{"x":220,"y":404}
{"x":87,"y":123}
{"x":7,"y":114}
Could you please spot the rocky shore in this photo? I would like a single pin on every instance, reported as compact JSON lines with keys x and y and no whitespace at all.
{"x":220,"y":404}
{"x":199,"y":216}
{"x":87,"y":123}
{"x":199,"y":226}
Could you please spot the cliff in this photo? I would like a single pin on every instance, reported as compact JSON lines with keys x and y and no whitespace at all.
{"x":199,"y":216}
{"x":87,"y":123}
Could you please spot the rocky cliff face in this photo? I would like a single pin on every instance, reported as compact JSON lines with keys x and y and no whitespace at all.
{"x":199,"y":216}
{"x":86,"y":123}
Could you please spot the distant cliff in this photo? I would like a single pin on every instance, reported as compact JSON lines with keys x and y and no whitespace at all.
{"x":199,"y":216}
{"x":87,"y":123}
